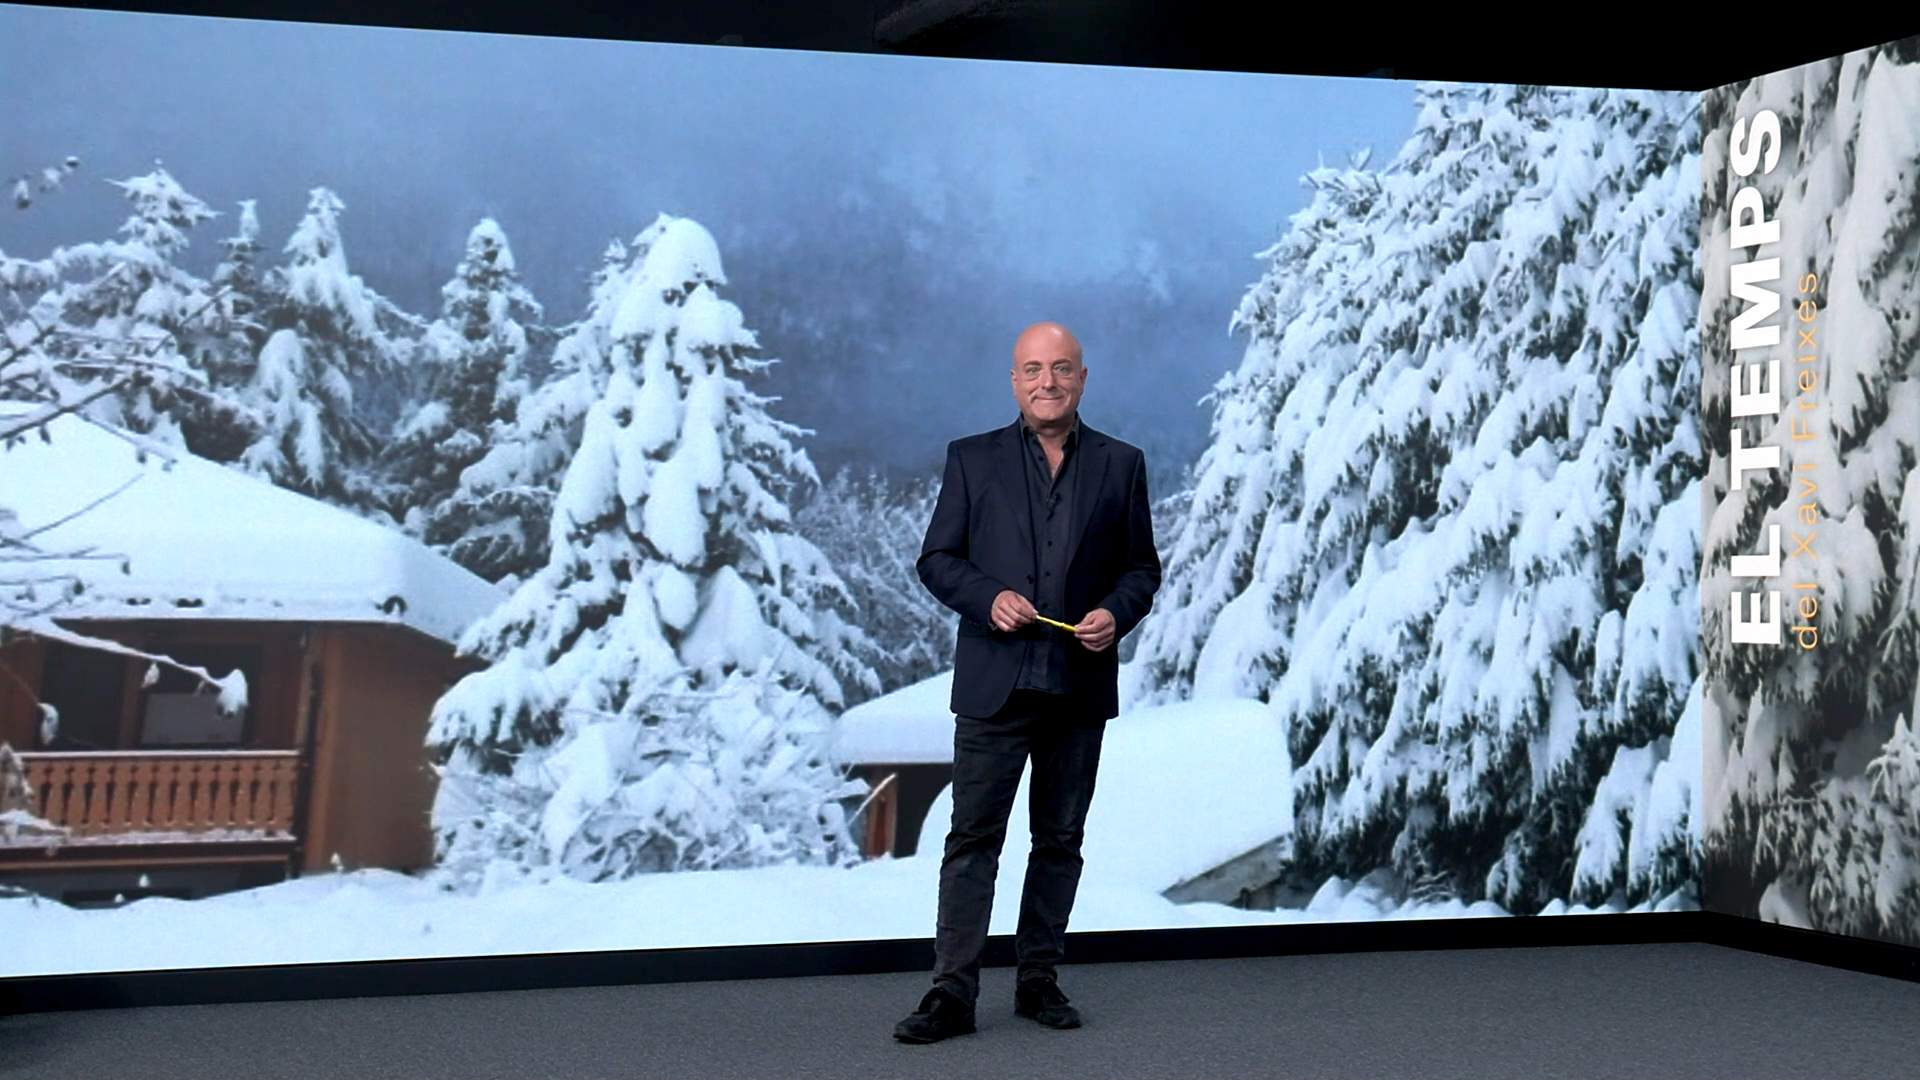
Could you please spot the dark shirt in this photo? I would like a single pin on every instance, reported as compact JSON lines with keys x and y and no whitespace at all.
{"x":1050,"y":509}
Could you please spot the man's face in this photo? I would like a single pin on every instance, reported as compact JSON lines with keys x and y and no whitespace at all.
{"x":1048,"y":378}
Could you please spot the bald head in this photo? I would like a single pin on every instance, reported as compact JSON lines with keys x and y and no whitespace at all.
{"x":1046,"y":337}
{"x":1048,"y":376}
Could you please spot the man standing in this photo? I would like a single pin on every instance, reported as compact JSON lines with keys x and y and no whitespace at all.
{"x":1044,"y":519}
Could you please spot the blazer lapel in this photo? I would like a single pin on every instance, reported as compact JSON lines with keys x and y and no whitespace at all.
{"x":1013,"y":482}
{"x":1086,"y":487}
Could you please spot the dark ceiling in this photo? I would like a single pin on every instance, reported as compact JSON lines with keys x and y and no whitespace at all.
{"x":1611,"y":46}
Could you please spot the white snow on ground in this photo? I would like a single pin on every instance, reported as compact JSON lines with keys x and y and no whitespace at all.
{"x":1181,"y":787}
{"x":203,"y":541}
{"x":378,"y":915}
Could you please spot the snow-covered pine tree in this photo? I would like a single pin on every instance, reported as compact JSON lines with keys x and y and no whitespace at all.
{"x":871,"y":531}
{"x":1446,"y":523}
{"x":1170,"y":512}
{"x":230,"y":350}
{"x":118,"y":322}
{"x":329,"y":334}
{"x":663,"y":681}
{"x":238,"y":276}
{"x":511,"y":487}
{"x":471,"y":362}
{"x":1811,"y":807}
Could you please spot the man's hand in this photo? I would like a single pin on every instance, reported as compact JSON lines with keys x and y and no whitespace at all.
{"x":1095,"y":629}
{"x":1011,"y":611}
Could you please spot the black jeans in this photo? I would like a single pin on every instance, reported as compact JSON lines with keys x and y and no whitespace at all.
{"x":988,"y":757}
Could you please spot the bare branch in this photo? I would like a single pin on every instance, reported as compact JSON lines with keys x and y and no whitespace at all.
{"x":57,"y":522}
{"x":51,"y":631}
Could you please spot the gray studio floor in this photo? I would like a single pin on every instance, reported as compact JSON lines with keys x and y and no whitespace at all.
{"x":1634,"y":1011}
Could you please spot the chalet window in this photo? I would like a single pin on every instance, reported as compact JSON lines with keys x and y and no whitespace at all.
{"x":178,"y":710}
{"x":85,"y":685}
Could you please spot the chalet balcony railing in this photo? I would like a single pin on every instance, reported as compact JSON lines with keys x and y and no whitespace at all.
{"x":166,"y":796}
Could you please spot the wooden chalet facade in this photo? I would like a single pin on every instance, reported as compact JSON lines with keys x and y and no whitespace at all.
{"x":328,"y":760}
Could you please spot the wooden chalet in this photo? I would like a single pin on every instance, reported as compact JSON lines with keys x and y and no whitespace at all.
{"x":342,"y":630}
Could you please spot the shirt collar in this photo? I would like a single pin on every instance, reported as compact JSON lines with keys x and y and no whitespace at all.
{"x":1073,"y":430}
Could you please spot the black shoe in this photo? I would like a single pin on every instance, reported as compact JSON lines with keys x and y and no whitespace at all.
{"x":1042,"y":1001}
{"x":940,"y":1015}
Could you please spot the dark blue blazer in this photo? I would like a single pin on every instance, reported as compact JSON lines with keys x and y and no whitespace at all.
{"x":980,"y":541}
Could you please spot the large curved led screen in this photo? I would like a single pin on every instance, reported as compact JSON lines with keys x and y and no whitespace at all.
{"x":467,"y":495}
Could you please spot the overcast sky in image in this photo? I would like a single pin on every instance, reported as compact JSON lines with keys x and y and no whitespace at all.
{"x":888,"y":224}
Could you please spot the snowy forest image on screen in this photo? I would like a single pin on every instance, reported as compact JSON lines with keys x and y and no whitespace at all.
{"x":1813,"y":764}
{"x":460,"y":495}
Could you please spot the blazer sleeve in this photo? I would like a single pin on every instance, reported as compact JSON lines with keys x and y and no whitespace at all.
{"x":1132,"y":595}
{"x":944,"y":566}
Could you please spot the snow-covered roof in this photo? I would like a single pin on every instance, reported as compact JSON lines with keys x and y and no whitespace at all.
{"x":193,"y":539}
{"x":911,"y":726}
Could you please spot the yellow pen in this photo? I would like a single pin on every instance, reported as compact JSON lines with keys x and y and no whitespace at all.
{"x":1056,"y":622}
